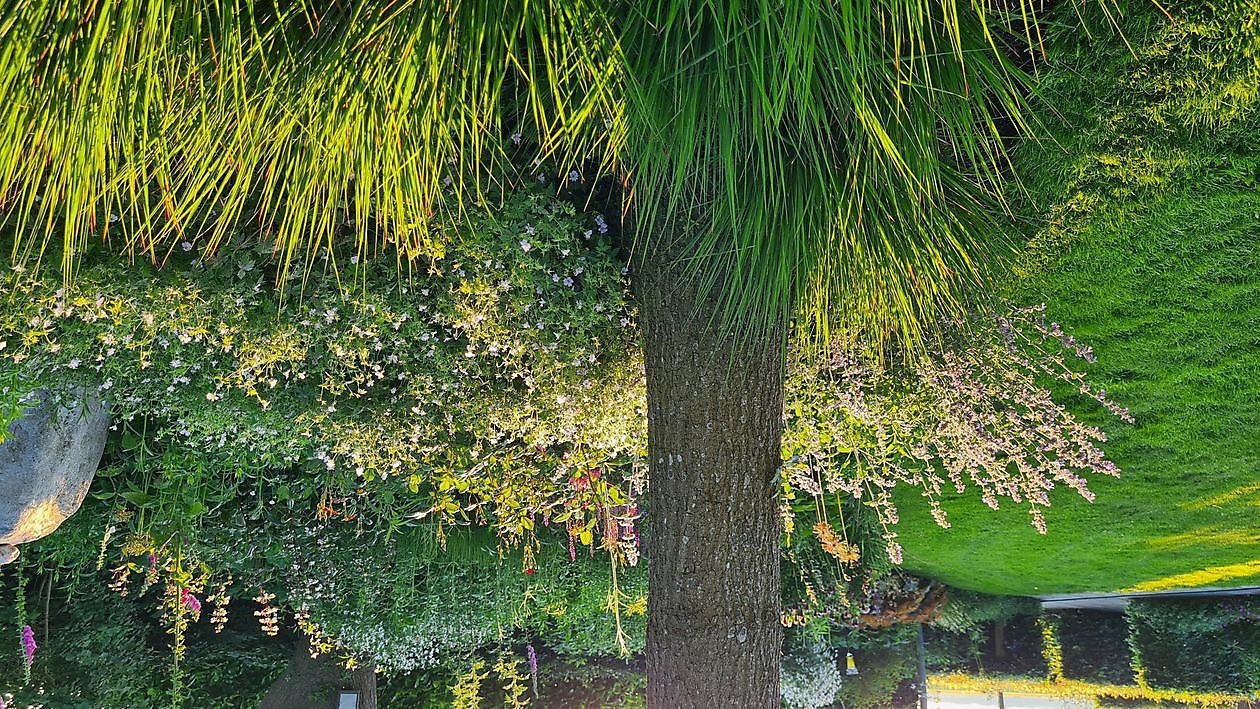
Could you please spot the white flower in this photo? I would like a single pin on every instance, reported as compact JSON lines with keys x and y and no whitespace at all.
{"x":525,"y":246}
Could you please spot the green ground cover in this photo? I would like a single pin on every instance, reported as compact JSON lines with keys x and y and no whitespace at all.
{"x":1147,"y":248}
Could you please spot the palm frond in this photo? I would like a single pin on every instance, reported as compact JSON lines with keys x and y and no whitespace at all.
{"x":844,"y":158}
{"x":156,"y":122}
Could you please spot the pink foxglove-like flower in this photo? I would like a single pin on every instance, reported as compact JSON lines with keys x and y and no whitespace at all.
{"x":190,"y":601}
{"x":533,"y":668}
{"x":28,"y":644}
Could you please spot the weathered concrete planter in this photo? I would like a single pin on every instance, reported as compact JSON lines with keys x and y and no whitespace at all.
{"x":46,"y":466}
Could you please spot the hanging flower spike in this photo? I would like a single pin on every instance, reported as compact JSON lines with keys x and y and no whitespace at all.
{"x":28,"y":644}
{"x":533,"y":668}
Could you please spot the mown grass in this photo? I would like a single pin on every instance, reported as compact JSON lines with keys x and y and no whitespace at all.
{"x":1148,"y":249}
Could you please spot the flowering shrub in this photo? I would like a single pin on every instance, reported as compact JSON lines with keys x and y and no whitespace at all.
{"x":1051,"y":648}
{"x":975,"y":412}
{"x":483,"y":387}
{"x":272,"y":425}
{"x":810,"y":676}
{"x":100,"y":650}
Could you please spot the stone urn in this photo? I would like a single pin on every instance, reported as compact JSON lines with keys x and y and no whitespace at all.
{"x":47,"y":463}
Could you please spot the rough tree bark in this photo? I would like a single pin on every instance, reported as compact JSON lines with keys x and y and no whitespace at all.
{"x":715,"y":419}
{"x":364,"y":680}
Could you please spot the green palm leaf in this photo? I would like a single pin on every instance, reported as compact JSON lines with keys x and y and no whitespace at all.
{"x":845,"y":157}
{"x":842,"y":159}
{"x":186,"y":121}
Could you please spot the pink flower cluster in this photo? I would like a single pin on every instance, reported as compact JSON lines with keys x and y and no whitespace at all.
{"x":28,"y":644}
{"x":190,"y":601}
{"x":977,"y":413}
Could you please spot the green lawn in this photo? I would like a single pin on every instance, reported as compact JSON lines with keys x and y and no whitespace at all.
{"x":1150,"y":252}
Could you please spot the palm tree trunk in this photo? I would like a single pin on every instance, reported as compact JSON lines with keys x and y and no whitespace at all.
{"x":715,"y":420}
{"x":364,"y":680}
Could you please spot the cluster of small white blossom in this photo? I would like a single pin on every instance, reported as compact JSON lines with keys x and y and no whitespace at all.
{"x":810,"y":678}
{"x":389,"y":387}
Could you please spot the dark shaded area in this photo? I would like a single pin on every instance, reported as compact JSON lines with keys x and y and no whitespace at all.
{"x":98,"y":649}
{"x":1206,"y":645}
{"x":977,"y":632}
{"x":309,"y":683}
{"x":1094,"y":647}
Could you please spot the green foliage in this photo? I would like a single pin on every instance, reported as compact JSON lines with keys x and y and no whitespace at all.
{"x":1152,"y":263}
{"x":853,"y":174}
{"x":1051,"y":648}
{"x":499,"y":387}
{"x":874,"y":170}
{"x":397,"y":600}
{"x":1174,"y":112}
{"x":404,"y":604}
{"x":1210,"y":645}
{"x":512,"y":344}
{"x":103,"y":651}
{"x":880,"y":673}
{"x":166,"y":122}
{"x":1094,"y":646}
{"x":574,"y":605}
{"x":968,"y":611}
